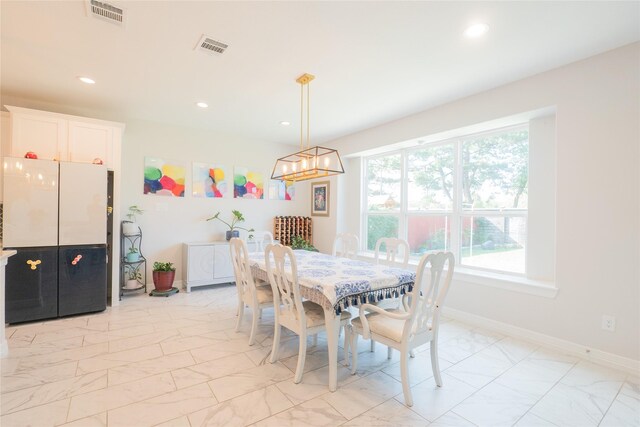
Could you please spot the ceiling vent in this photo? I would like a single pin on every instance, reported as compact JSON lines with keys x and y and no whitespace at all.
{"x":105,"y":11}
{"x":209,"y":45}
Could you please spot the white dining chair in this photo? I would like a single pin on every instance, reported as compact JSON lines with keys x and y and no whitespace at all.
{"x":301,"y":317}
{"x":346,"y":245}
{"x":414,"y":325}
{"x":262,"y":239}
{"x":249,"y":294}
{"x":393,"y":248}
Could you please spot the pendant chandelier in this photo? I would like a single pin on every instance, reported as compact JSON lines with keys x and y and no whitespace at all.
{"x":309,"y":162}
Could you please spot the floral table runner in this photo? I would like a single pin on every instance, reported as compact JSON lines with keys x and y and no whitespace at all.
{"x":339,"y":283}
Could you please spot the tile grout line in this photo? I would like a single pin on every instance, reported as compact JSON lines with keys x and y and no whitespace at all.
{"x":546,"y":393}
{"x":604,"y":414}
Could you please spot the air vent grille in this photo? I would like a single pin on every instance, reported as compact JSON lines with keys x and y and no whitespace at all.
{"x":106,"y":11}
{"x":208,"y":44}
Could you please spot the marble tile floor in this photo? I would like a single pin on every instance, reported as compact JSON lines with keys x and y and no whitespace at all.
{"x":178,"y":362}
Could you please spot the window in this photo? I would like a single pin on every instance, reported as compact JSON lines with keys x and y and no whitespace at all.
{"x":467,"y":195}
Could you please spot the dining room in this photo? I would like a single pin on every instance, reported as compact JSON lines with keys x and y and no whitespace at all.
{"x":375,"y":213}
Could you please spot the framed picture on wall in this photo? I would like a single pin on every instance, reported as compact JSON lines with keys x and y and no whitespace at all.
{"x":320,"y":198}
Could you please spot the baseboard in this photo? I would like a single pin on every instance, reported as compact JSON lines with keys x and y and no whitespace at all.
{"x":597,"y":356}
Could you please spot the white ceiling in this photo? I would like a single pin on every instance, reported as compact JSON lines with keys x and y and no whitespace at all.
{"x":374,"y":61}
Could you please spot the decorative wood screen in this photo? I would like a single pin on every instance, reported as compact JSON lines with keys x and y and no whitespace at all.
{"x":286,"y":228}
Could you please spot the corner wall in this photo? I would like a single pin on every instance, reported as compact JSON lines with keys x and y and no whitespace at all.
{"x":597,"y":268}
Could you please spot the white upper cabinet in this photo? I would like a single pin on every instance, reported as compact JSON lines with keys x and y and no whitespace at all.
{"x":44,"y":135}
{"x":88,"y":141}
{"x":54,"y":136}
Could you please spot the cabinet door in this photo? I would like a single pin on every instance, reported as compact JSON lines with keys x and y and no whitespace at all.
{"x":46,"y":136}
{"x":223,"y":266}
{"x":200,"y":264}
{"x":89,"y":141}
{"x":32,"y":285}
{"x":82,"y":213}
{"x":82,"y":279}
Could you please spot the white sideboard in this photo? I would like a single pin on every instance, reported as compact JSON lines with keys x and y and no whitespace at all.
{"x":206,"y":263}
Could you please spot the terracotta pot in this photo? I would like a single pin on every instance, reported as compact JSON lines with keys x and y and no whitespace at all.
{"x":163,"y":280}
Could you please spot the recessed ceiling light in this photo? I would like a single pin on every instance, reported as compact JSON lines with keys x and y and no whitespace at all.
{"x":476,"y":30}
{"x":285,"y":123}
{"x":87,"y":80}
{"x":202,"y":104}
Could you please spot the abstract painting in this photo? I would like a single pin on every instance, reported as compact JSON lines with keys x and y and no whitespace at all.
{"x":247,"y":184}
{"x":163,"y":178}
{"x":282,"y":190}
{"x":208,"y":180}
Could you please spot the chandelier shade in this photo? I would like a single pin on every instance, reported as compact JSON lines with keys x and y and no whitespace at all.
{"x":309,"y":162}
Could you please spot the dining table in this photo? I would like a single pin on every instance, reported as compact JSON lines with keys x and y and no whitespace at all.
{"x":336,"y":284}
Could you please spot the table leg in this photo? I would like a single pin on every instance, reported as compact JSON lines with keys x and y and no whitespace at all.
{"x":332,"y":323}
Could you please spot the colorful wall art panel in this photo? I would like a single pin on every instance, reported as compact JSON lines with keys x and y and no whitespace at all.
{"x":247,"y":184}
{"x":208,"y":180}
{"x":282,"y":190}
{"x":163,"y":178}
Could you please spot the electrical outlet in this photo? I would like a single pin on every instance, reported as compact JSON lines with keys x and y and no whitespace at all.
{"x":608,"y":323}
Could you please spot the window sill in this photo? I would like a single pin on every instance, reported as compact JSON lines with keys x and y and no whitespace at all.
{"x":506,"y":281}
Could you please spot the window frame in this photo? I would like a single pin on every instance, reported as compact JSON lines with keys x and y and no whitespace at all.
{"x":457,"y":213}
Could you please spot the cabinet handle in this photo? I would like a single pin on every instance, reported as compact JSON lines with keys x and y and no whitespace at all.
{"x":34,"y":264}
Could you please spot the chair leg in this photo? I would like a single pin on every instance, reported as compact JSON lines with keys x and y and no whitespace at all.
{"x":435,"y":366}
{"x":259,"y":313}
{"x":240,"y":314}
{"x":406,"y":389}
{"x":276,"y":343}
{"x":315,"y":340}
{"x":254,"y":326}
{"x":302,"y":355}
{"x":389,"y":352}
{"x":373,"y":346}
{"x":354,"y":352}
{"x":347,"y":342}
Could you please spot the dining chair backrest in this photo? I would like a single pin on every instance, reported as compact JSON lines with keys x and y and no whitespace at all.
{"x":425,"y":301}
{"x":262,"y":239}
{"x":346,"y":245}
{"x":241,"y":266}
{"x":282,"y":271}
{"x":393,"y":247}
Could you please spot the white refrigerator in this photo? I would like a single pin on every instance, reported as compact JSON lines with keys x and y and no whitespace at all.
{"x":55,"y":216}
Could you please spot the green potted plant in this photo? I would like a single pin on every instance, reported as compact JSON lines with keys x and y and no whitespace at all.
{"x":163,"y":275}
{"x":233,"y":225}
{"x":297,"y":242}
{"x":130,"y":227}
{"x":134,"y":278}
{"x":133,"y":255}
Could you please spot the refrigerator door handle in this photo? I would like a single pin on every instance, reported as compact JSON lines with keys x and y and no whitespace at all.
{"x":33,"y":264}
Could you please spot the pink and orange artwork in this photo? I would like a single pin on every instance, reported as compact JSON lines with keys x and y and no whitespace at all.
{"x":209,"y":181}
{"x":247,"y":184}
{"x":163,"y":178}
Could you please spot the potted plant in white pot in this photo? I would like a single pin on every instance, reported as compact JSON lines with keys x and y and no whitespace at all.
{"x":233,"y":225}
{"x":134,"y":278}
{"x":129,"y":228}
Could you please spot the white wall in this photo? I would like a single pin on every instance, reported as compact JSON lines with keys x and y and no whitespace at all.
{"x":597,"y":197}
{"x":170,"y":221}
